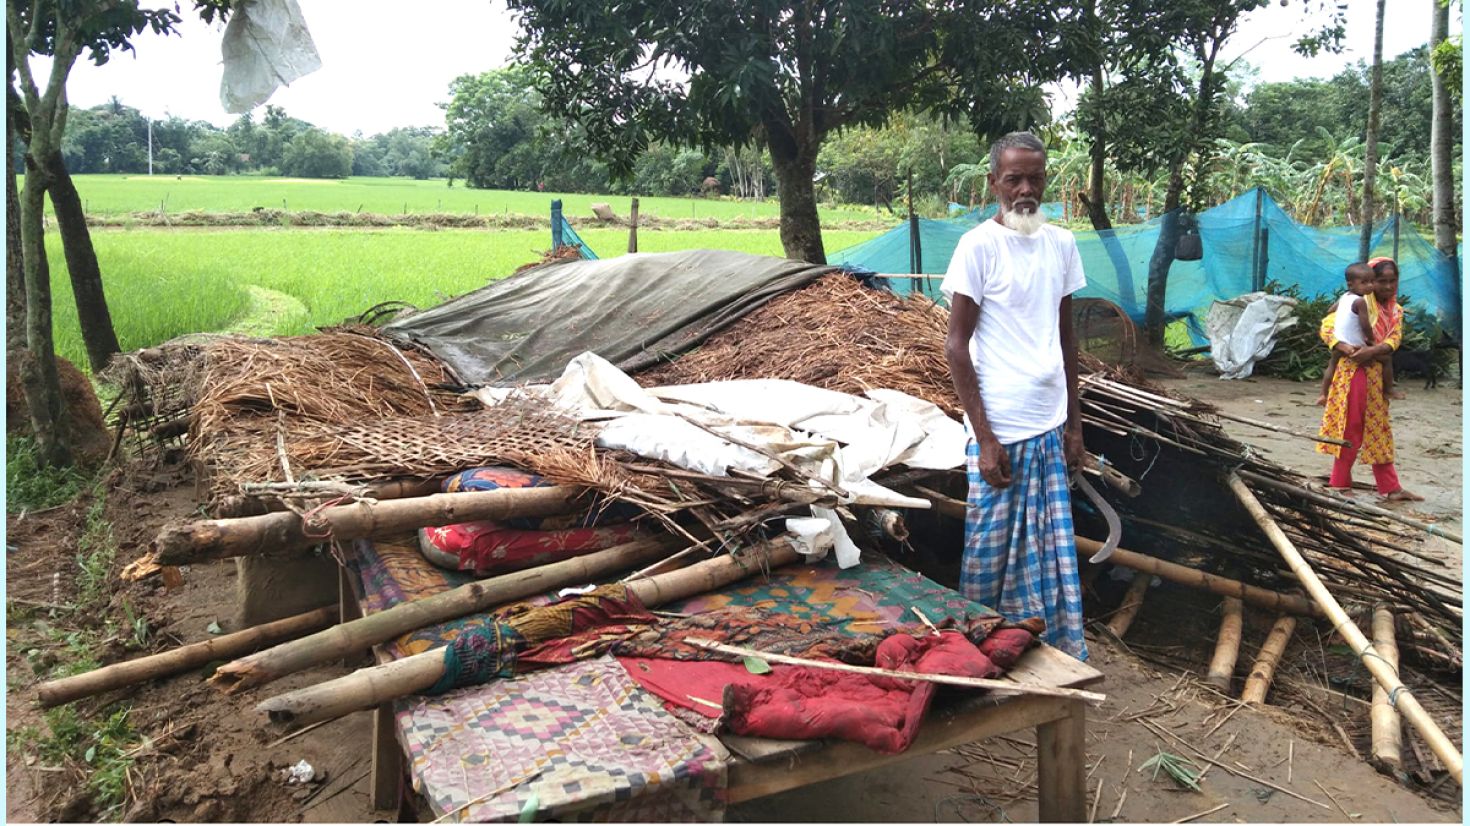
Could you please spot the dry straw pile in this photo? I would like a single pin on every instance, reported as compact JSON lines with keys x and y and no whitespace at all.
{"x":835,"y":334}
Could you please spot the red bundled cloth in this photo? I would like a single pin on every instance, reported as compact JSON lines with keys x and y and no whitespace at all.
{"x":488,"y":548}
{"x":800,"y":703}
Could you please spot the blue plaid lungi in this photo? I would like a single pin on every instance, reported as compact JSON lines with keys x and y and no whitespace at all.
{"x":1020,"y":551}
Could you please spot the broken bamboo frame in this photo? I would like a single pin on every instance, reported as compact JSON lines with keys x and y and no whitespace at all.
{"x":1264,"y":669}
{"x":1343,"y":503}
{"x":287,"y":531}
{"x":1190,"y":577}
{"x":1387,"y":730}
{"x":1132,"y":602}
{"x":359,"y":634}
{"x":1386,"y":676}
{"x":1227,"y":645}
{"x":184,"y":658}
{"x":1091,"y":697}
{"x":368,"y":687}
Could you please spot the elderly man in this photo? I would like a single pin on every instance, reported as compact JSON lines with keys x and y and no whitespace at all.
{"x":1013,"y":359}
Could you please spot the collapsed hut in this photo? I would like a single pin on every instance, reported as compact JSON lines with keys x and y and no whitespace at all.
{"x":344,"y":439}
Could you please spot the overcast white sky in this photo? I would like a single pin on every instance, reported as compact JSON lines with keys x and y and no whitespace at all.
{"x":383,"y":67}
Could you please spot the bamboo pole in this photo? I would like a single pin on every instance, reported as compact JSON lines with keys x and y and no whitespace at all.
{"x":278,"y":532}
{"x":368,"y":687}
{"x":1386,"y":676}
{"x":1342,"y":503}
{"x":942,"y":679}
{"x":258,"y":499}
{"x":359,"y":634}
{"x":1227,"y":645}
{"x":1264,"y":670}
{"x":1187,"y":576}
{"x":1132,"y":601}
{"x":1387,"y":730}
{"x":184,"y":658}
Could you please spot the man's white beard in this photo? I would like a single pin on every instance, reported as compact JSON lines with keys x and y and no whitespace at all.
{"x":1026,"y":223}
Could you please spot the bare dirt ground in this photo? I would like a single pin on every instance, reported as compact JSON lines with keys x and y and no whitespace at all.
{"x":208,"y":757}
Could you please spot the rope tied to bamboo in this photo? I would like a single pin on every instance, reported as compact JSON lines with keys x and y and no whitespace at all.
{"x":314,"y":525}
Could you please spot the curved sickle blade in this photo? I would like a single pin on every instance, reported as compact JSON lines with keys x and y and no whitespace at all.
{"x":1115,"y":528}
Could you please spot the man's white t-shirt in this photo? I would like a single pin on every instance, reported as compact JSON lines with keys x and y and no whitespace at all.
{"x":1345,"y":326}
{"x":1018,"y":281}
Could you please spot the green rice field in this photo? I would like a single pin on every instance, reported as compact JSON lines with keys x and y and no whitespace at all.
{"x":120,"y":194}
{"x":163,"y":283}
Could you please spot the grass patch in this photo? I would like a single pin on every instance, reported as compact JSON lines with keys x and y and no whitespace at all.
{"x":101,"y":748}
{"x":97,"y":745}
{"x":163,"y":283}
{"x":29,"y":487}
{"x":117,"y":194}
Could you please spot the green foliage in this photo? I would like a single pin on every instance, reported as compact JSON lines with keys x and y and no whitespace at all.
{"x":1448,"y":60}
{"x":28,"y":486}
{"x":1180,"y":770}
{"x":1299,"y":354}
{"x":313,"y":153}
{"x":104,"y":748}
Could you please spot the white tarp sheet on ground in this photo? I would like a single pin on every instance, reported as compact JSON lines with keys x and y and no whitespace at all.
{"x":836,"y":437}
{"x":1243,"y":330}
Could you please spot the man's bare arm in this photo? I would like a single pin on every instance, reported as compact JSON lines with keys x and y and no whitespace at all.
{"x":964,"y":315}
{"x":1072,"y":436}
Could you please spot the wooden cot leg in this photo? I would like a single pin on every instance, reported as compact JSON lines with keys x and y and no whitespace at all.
{"x":1061,"y":788}
{"x":387,"y":759}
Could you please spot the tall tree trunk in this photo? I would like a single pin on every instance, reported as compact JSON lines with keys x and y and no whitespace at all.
{"x":15,"y":277}
{"x":1441,"y":143}
{"x":81,"y":263}
{"x":801,"y":230}
{"x":1163,"y":257}
{"x":1096,"y":199}
{"x":1370,"y":147}
{"x":38,"y":371}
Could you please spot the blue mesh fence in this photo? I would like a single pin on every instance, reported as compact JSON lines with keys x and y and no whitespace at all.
{"x":1233,"y":236}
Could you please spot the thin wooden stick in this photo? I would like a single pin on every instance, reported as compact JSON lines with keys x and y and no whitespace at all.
{"x":1096,"y":799}
{"x":1346,"y":818}
{"x":943,"y":679}
{"x":1382,"y":672}
{"x":1342,"y":503}
{"x":1198,"y":815}
{"x":1157,"y":729}
{"x":1279,"y":429}
{"x":1228,"y":741}
{"x":293,"y":735}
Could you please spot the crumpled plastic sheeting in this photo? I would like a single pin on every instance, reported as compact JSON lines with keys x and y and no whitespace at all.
{"x":1243,"y":330}
{"x":266,"y":46}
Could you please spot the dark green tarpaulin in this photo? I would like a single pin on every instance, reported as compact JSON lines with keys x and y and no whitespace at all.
{"x":633,"y":310}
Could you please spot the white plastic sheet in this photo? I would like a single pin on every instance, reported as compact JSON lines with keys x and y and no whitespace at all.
{"x":266,"y":46}
{"x":1243,"y":330}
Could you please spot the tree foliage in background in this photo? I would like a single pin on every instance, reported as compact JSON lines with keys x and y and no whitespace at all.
{"x":312,"y":153}
{"x":787,"y":74}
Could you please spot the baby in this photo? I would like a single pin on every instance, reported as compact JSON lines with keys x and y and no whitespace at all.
{"x":1351,"y":323}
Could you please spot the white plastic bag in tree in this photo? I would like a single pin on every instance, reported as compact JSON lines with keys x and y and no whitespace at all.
{"x":266,"y":46}
{"x":1243,"y":330}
